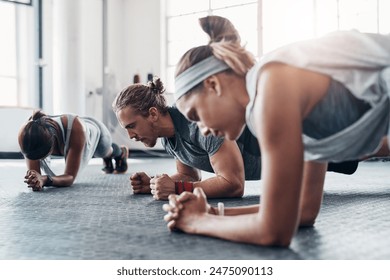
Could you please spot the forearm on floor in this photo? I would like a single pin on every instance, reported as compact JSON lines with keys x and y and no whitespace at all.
{"x":226,"y":228}
{"x":60,"y":181}
{"x":241,"y":228}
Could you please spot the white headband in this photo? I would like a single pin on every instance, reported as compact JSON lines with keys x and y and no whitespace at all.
{"x":196,"y":74}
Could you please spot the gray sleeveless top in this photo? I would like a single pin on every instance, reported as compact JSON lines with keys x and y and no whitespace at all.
{"x":359,"y":65}
{"x":92,"y":136}
{"x":194,"y":149}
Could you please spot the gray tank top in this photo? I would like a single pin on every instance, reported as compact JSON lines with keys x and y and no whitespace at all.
{"x":92,"y":136}
{"x":194,"y":149}
{"x":359,"y":65}
{"x":335,"y":112}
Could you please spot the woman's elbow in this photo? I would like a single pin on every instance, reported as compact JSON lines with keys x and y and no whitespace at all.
{"x":273,"y":235}
{"x":285,"y":243}
{"x":71,"y":182}
{"x":282,"y":239}
{"x":67,"y":182}
{"x":308,"y":219}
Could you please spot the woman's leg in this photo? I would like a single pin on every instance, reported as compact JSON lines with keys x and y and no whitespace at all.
{"x":384,"y":150}
{"x":108,"y":150}
{"x":121,"y":160}
{"x":345,"y":167}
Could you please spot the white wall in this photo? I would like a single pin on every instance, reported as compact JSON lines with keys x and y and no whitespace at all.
{"x":142,"y":39}
{"x":68,"y":57}
{"x":133,"y":47}
{"x":93,"y":61}
{"x":134,"y":43}
{"x":10,"y":129}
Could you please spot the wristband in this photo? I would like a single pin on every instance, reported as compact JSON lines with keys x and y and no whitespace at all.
{"x":221,"y":209}
{"x":182,"y":186}
{"x":49,"y":181}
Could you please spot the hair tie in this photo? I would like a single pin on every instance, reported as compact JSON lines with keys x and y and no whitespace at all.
{"x":153,"y":87}
{"x":37,"y":121}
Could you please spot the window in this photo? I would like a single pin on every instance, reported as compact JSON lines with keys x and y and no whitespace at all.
{"x":280,"y":22}
{"x":17,"y":54}
{"x":184,"y":32}
{"x":285,"y":21}
{"x":24,"y":2}
{"x":8,"y":80}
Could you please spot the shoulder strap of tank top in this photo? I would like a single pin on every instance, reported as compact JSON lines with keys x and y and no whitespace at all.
{"x":57,"y":119}
{"x":71,"y":118}
{"x":251,"y":87}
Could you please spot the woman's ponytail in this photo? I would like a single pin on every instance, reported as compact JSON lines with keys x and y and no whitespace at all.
{"x":219,"y":29}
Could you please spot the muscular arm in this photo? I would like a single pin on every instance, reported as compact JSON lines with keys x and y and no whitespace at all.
{"x":229,"y":170}
{"x":229,"y":176}
{"x":228,"y":167}
{"x":186,"y":173}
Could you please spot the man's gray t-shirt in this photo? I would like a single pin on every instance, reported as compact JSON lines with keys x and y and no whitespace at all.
{"x":192,"y":148}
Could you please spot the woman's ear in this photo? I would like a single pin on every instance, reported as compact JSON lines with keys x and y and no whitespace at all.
{"x":213,"y":84}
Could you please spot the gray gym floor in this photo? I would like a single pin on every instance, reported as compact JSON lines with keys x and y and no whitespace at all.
{"x":100,"y":218}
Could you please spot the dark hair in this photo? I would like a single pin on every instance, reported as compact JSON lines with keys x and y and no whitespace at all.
{"x":142,"y":97}
{"x":224,"y":44}
{"x":37,"y":136}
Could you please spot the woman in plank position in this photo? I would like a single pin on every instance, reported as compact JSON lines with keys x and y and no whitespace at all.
{"x":76,"y":139}
{"x":308,"y":103}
